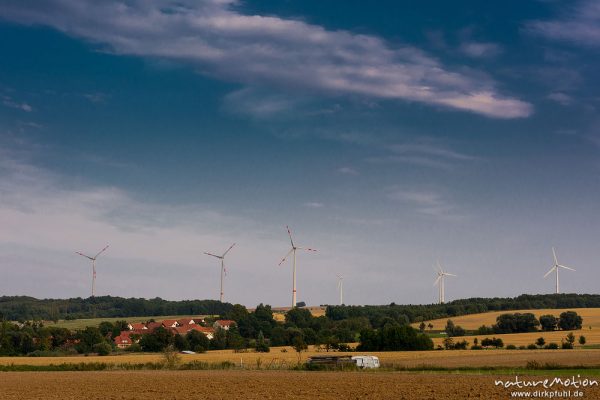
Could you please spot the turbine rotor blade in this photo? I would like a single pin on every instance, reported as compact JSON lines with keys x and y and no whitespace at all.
{"x":211,"y":254}
{"x":306,"y":248}
{"x":554,"y":254}
{"x":549,"y":272}
{"x":286,"y":256}
{"x":565,"y":267}
{"x":230,"y":247}
{"x":101,"y":251}
{"x":437,"y":280}
{"x":86,"y":256}
{"x":449,"y":274}
{"x":290,"y":235}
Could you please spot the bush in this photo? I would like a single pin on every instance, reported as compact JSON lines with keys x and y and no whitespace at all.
{"x":551,"y":346}
{"x":566,"y":345}
{"x":540,"y":342}
{"x":582,"y":340}
{"x":531,"y":347}
{"x":135,"y":347}
{"x":511,"y":347}
{"x":103,"y":349}
{"x":476,"y":347}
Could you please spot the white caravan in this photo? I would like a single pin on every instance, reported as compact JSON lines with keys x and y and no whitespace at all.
{"x":366,"y":361}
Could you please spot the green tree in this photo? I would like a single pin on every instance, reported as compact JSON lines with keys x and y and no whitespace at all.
{"x":569,"y":320}
{"x":261,"y":344}
{"x":299,"y":346}
{"x":548,"y":322}
{"x":197,"y":341}
{"x":540,"y":342}
{"x":422,"y":327}
{"x":582,"y":340}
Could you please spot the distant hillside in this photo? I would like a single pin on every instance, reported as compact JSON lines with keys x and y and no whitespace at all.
{"x":21,"y":308}
{"x":29,"y":308}
{"x":419,"y":312}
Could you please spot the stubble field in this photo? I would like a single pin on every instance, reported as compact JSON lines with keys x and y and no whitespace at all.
{"x":405,"y":359}
{"x":252,"y":385}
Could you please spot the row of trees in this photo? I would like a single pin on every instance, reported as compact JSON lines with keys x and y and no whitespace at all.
{"x":527,"y":322}
{"x":377,"y":315}
{"x":23,"y":308}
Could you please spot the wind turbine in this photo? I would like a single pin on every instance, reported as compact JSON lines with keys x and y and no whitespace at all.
{"x":441,"y":274}
{"x":341,"y":288}
{"x":222,"y":258}
{"x":555,"y":268}
{"x":93,"y":267}
{"x":293,"y":251}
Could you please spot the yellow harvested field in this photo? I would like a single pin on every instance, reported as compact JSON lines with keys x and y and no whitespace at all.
{"x":591,"y":317}
{"x":254,"y":385}
{"x":523,"y":339}
{"x":278,"y":359}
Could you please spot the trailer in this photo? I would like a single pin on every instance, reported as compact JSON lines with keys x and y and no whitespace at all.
{"x":366,"y":361}
{"x":341,"y":361}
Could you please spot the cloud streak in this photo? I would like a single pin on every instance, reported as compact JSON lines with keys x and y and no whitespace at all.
{"x":271,"y":51}
{"x":579,"y":25}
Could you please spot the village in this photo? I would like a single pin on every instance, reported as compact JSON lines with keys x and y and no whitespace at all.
{"x":178,"y":327}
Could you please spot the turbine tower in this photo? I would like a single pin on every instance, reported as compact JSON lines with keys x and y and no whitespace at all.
{"x":93,"y":267}
{"x":341,"y":288}
{"x":222,"y":258}
{"x":293,"y":251}
{"x":555,"y":268}
{"x":441,"y":274}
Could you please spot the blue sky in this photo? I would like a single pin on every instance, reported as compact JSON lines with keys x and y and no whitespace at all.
{"x":387,"y":136}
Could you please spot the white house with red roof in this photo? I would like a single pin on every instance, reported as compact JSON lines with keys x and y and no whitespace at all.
{"x":224,"y":324}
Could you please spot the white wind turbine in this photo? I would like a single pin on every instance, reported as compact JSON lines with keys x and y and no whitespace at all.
{"x":555,"y":268}
{"x":340,"y":286}
{"x":222,"y":258}
{"x":293,"y":250}
{"x":93,"y":267}
{"x":441,"y":274}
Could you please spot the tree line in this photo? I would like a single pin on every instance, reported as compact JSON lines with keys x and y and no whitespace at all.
{"x":23,"y":308}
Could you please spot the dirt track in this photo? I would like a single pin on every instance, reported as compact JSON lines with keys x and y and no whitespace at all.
{"x":251,"y":385}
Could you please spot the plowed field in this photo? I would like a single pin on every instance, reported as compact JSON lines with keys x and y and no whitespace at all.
{"x":253,"y":385}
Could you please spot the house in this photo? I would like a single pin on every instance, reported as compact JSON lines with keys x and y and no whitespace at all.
{"x":223,"y":324}
{"x":123,"y":341}
{"x":209,"y":332}
{"x":187,"y":321}
{"x":151,"y":326}
{"x":170,"y":323}
{"x":136,"y":326}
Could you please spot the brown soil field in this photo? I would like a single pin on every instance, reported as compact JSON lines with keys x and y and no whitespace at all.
{"x":254,"y":385}
{"x":277,"y":359}
{"x":591,"y":317}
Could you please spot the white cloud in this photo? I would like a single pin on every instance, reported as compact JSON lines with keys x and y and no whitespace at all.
{"x":314,"y":204}
{"x":9,"y":102}
{"x":560,"y":98}
{"x":480,"y":49}
{"x":271,"y":51}
{"x":347,"y":171}
{"x":579,"y":24}
{"x":425,"y":202}
{"x":424,"y":153}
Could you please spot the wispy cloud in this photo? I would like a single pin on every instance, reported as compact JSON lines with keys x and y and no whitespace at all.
{"x":314,"y":204}
{"x":578,"y":24}
{"x":271,"y":51}
{"x":422,"y":153}
{"x":10,"y":102}
{"x":480,"y":49}
{"x":347,"y":171}
{"x":425,"y":202}
{"x":560,"y":98}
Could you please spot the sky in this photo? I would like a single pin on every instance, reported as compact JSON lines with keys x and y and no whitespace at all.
{"x":387,"y":136}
